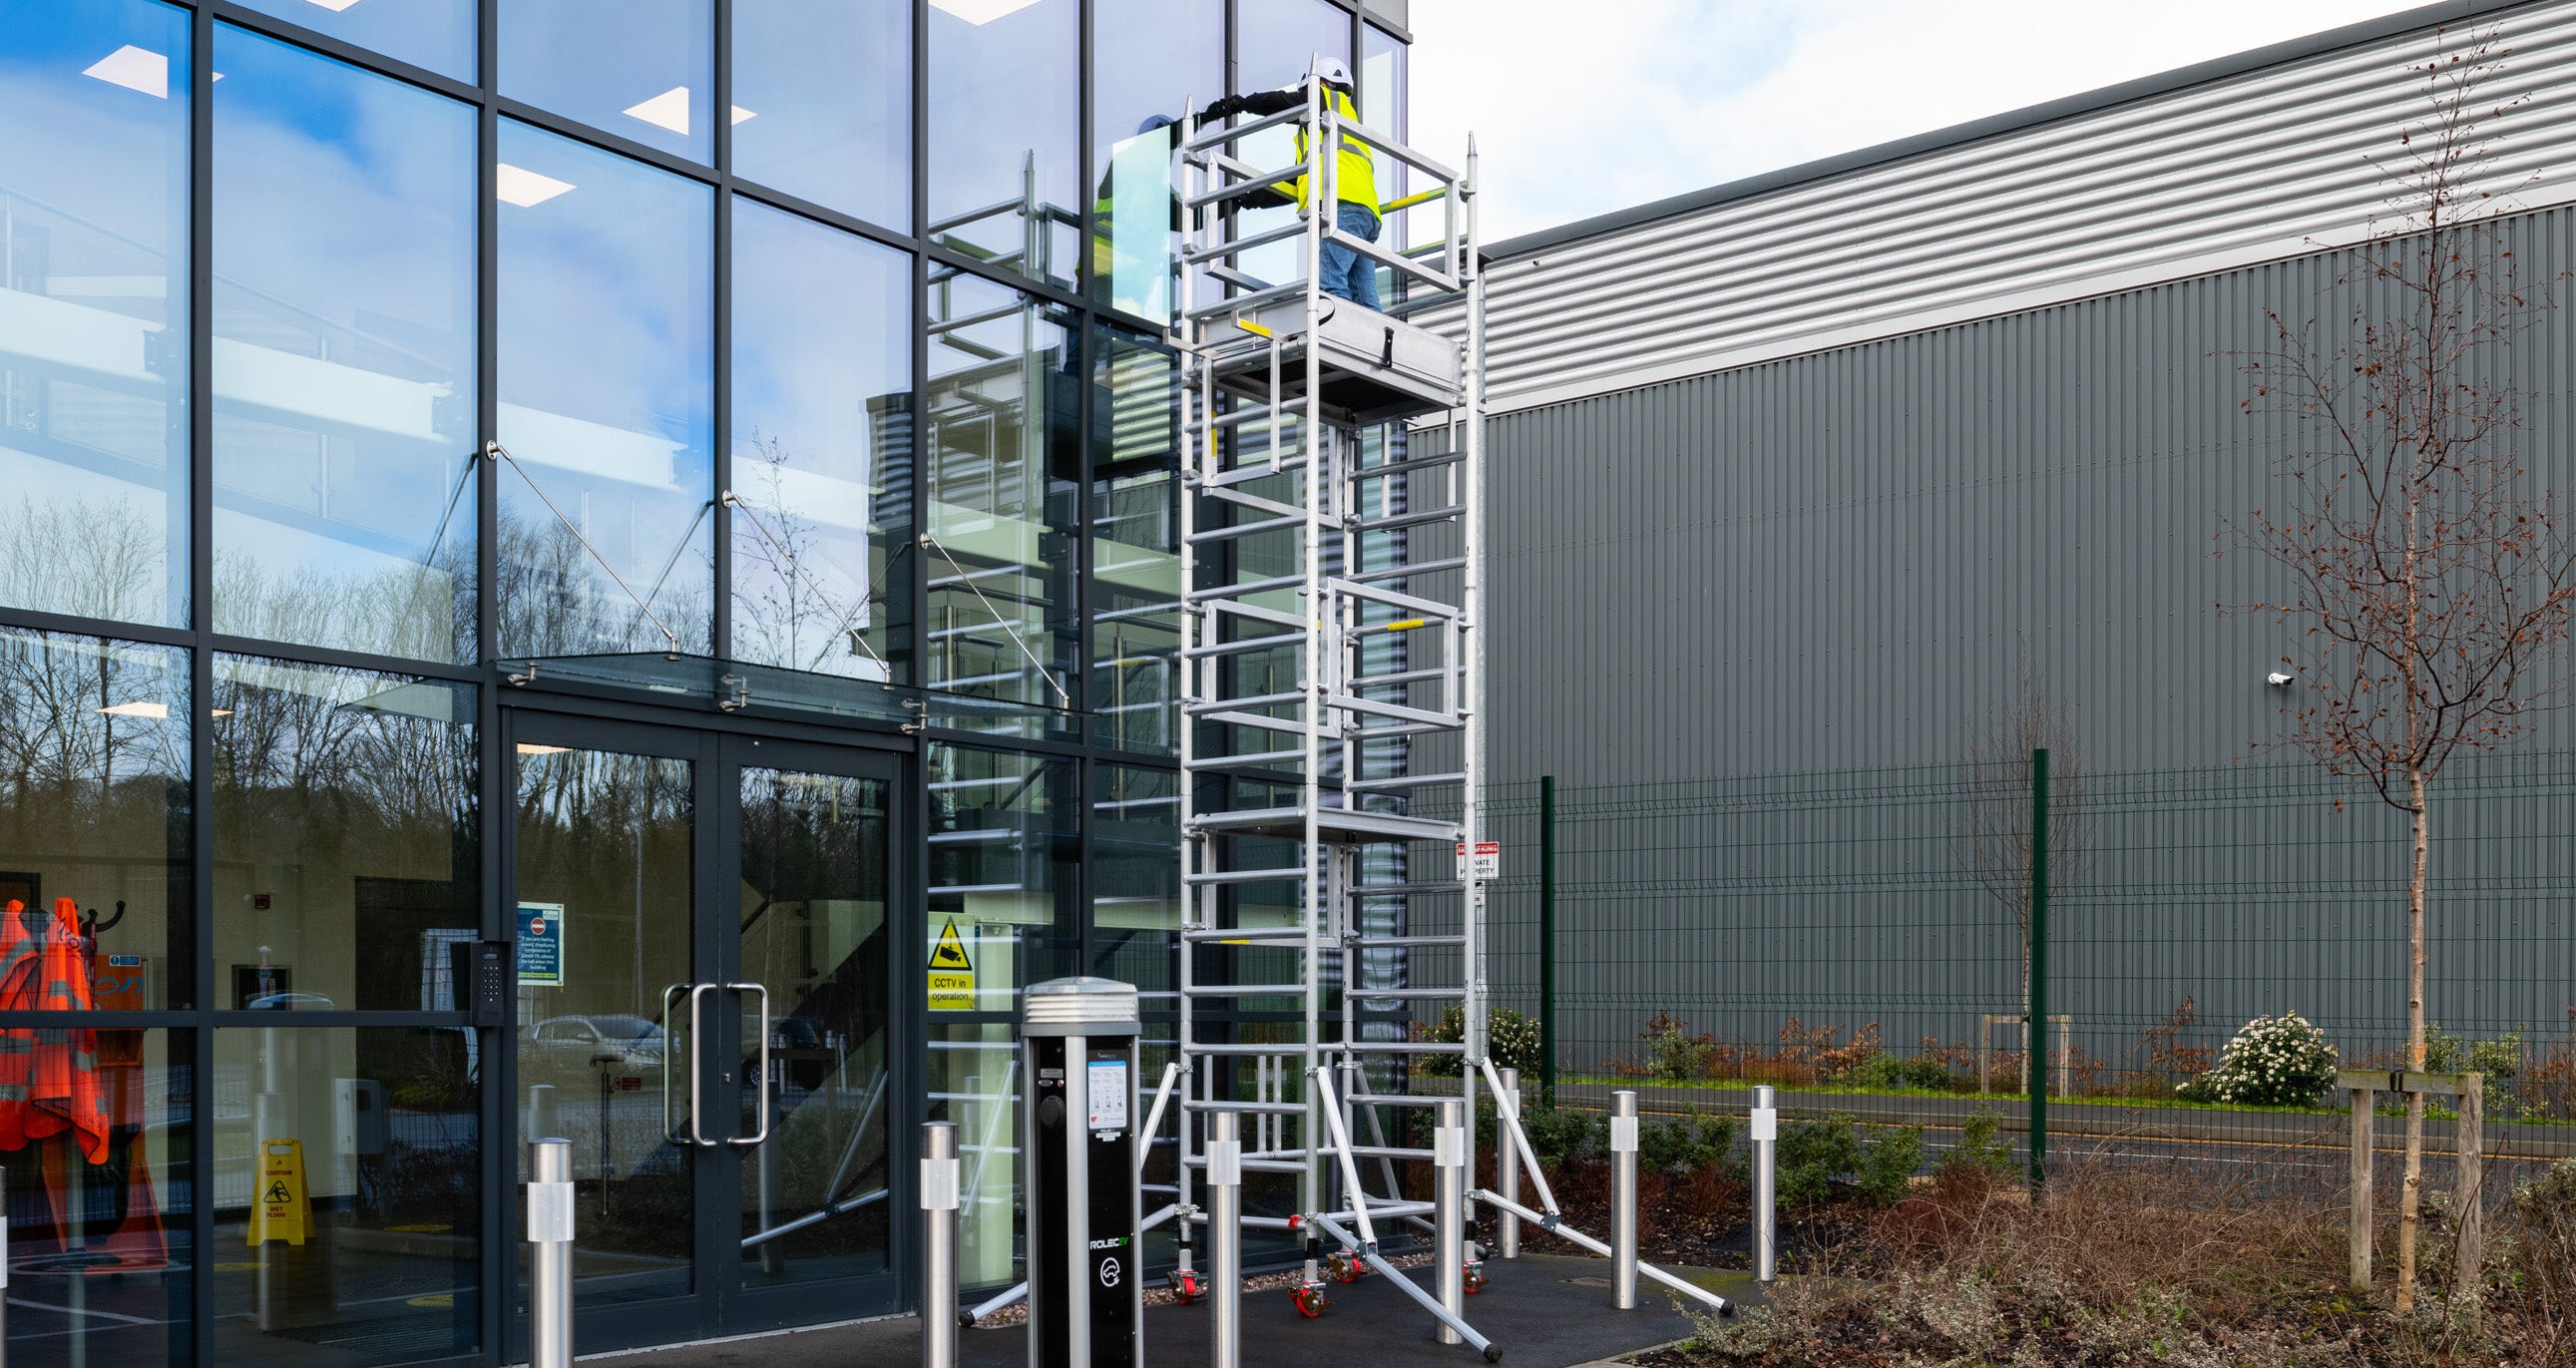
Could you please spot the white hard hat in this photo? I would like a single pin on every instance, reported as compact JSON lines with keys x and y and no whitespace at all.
{"x":1335,"y":73}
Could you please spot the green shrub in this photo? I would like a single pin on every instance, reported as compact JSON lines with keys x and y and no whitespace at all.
{"x":2499,"y":1059}
{"x":1982,"y":1145}
{"x":1685,"y":1144}
{"x":1815,"y":1155}
{"x":1511,"y":1038}
{"x":1673,"y":1054}
{"x":1887,"y":1073}
{"x":1557,"y":1134}
{"x":2273,"y":1062}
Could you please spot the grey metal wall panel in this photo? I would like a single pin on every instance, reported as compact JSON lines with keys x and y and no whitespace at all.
{"x":2238,"y":170}
{"x":1828,"y":566}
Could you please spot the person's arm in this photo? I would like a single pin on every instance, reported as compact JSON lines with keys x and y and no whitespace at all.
{"x":1256,"y":103}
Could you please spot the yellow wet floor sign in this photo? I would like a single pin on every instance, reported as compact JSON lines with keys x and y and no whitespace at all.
{"x":952,"y":975}
{"x":280,"y":1211}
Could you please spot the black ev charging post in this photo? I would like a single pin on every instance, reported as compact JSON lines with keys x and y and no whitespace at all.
{"x":1086,"y":1267}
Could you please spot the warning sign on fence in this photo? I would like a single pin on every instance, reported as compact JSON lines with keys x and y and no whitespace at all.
{"x":280,"y":1211}
{"x":952,"y":974}
{"x":1489,"y":860}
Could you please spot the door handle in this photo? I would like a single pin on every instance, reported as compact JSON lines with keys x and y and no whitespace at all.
{"x":762,"y":1077}
{"x":697,"y":1109}
{"x":670,"y":1120}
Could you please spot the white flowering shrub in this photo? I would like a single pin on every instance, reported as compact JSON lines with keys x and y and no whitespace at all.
{"x":2277,"y":1061}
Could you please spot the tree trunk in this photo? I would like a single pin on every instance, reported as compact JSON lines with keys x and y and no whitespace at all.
{"x":2410,"y":1199}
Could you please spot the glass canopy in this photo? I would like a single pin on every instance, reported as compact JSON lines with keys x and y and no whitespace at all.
{"x":766,"y":690}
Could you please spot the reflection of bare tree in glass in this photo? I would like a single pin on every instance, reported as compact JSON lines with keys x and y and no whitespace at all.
{"x":85,"y":559}
{"x":779,"y":616}
{"x":553,"y":600}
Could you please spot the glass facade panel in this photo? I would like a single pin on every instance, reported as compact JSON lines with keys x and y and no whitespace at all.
{"x":345,"y":854}
{"x":822,"y":94}
{"x":822,"y":445}
{"x":1004,"y":485}
{"x":604,"y":851}
{"x":975,"y":1082}
{"x":1136,"y":879}
{"x":640,"y":69}
{"x":94,"y":811}
{"x":348,"y":1194}
{"x":1005,"y":119}
{"x":1382,"y":103}
{"x":1276,"y":42}
{"x":437,"y":34}
{"x":1004,"y":845}
{"x":813,"y":899}
{"x":344,"y":264}
{"x":99,"y":1247}
{"x":1150,"y":58}
{"x":607,"y":403}
{"x":93,"y":310}
{"x":1135,"y":542}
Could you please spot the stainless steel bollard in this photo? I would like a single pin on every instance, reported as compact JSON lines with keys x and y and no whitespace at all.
{"x":1449,"y":1202}
{"x":1765,"y":1133}
{"x":1623,"y":1199}
{"x":550,"y":1253}
{"x":1225,"y":1239}
{"x":939,"y":1244}
{"x":1507,"y":1166}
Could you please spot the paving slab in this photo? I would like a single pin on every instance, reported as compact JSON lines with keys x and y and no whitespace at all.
{"x":1545,"y":1312}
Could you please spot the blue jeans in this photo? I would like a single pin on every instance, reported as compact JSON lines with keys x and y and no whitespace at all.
{"x":1347,"y":274}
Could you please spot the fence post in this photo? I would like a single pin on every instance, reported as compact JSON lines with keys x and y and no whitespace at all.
{"x":1765,"y":1132}
{"x":2470,"y":1204}
{"x":550,"y":1255}
{"x":2365,"y":1120}
{"x":1623,"y":1199}
{"x":1507,"y":1165}
{"x":939,"y":1244}
{"x":2036,"y":1070}
{"x":1547,"y":940}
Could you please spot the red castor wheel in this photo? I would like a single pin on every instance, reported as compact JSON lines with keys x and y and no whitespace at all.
{"x":1475,"y":1280}
{"x":1345,"y":1266}
{"x":1310,"y":1301}
{"x":1186,"y":1287}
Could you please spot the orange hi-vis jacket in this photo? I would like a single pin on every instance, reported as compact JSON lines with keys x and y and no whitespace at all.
{"x":48,"y":1077}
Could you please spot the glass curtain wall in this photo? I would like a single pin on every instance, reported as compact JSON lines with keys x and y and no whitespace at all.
{"x":898,"y":271}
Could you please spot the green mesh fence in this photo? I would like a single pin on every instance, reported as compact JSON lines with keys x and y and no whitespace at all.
{"x":1856,"y":939}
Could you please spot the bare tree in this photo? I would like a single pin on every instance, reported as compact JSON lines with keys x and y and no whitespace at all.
{"x":2432,"y":583}
{"x":1995,"y":823}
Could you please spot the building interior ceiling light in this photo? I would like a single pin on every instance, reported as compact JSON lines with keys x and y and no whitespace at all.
{"x":740,"y":114}
{"x":134,"y":68}
{"x":670,"y":110}
{"x":525,"y":188}
{"x":335,"y":6}
{"x":981,"y":12}
{"x":532,"y":748}
{"x":137,"y":709}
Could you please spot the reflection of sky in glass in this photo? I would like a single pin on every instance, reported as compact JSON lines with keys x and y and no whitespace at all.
{"x":344,"y":355}
{"x":607,"y":374}
{"x":93,"y":370}
{"x":1382,"y":96}
{"x":1149,"y":58}
{"x":1003,"y":98}
{"x":1279,"y":41}
{"x":641,"y":69}
{"x":822,"y":380}
{"x":822,"y":93}
{"x":437,"y":34}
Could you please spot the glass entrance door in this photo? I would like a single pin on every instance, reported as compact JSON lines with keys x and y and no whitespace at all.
{"x":705,"y":1009}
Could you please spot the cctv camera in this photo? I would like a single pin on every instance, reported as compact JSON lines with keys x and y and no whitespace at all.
{"x":2276,"y":679}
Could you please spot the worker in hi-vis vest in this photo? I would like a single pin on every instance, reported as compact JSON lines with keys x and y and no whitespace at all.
{"x":1347,"y":274}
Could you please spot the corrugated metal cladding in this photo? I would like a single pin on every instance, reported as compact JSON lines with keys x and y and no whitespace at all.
{"x":2241,"y":168}
{"x":1836,"y":560}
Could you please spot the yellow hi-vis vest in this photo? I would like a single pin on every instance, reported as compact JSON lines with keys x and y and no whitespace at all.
{"x":1354,"y":173}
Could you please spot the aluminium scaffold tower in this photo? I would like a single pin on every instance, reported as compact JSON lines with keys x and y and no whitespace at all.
{"x":1331,"y":700}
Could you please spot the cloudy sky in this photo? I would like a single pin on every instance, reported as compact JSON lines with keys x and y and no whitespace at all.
{"x":1639,"y":99}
